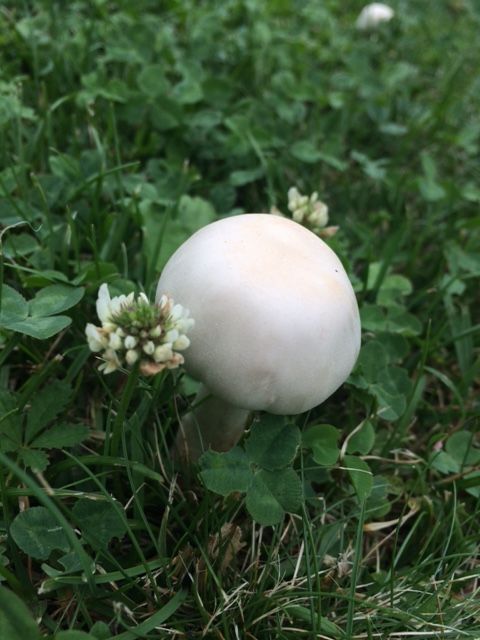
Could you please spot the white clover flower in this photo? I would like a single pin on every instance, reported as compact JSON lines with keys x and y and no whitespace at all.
{"x":319,"y":215}
{"x":163,"y":353}
{"x":131,"y":356}
{"x":372,"y":15}
{"x":115,"y":341}
{"x":97,"y":341}
{"x":172,"y":335}
{"x":309,"y":211}
{"x":103,"y":304}
{"x":130,"y":342}
{"x":136,"y":330}
{"x":111,"y":361}
{"x":181,"y":343}
{"x":149,"y":348}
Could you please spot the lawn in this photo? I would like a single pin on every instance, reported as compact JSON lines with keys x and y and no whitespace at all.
{"x":125,"y":127}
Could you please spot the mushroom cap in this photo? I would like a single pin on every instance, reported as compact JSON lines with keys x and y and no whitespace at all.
{"x":277,"y":326}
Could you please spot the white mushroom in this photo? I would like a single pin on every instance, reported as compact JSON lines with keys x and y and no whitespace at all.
{"x":374,"y":14}
{"x":277,"y":326}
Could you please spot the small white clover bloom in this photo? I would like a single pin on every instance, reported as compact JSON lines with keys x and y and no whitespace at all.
{"x":115,"y":341}
{"x":156,"y":332}
{"x":130,"y":342}
{"x":163,"y":353}
{"x":181,"y":343}
{"x":293,"y":197}
{"x":135,"y":330}
{"x":172,"y":335}
{"x":319,"y":215}
{"x":149,"y":348}
{"x":309,"y":211}
{"x":96,"y":340}
{"x":131,"y":356}
{"x":373,"y":15}
{"x":111,"y":362}
{"x":103,"y":304}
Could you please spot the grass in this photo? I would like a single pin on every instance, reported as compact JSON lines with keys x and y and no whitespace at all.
{"x":123,"y":129}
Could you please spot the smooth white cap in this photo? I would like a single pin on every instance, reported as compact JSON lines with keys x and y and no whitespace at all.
{"x":277,"y":326}
{"x":372,"y":15}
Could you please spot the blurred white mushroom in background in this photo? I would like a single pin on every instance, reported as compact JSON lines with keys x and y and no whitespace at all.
{"x":373,"y":15}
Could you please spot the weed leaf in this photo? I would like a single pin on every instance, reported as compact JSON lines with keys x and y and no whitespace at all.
{"x":360,"y":476}
{"x":322,"y":439}
{"x":227,"y":472}
{"x":61,"y":435}
{"x":272,"y":443}
{"x":99,"y":521}
{"x":38,"y":533}
{"x":55,"y":299}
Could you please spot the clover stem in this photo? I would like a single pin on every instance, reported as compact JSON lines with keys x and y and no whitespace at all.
{"x":211,"y":424}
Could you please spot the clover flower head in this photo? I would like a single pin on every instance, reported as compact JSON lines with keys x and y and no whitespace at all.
{"x":307,"y":210}
{"x":134,"y":329}
{"x":372,"y":15}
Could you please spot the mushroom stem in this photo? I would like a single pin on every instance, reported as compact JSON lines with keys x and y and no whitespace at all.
{"x":211,"y":424}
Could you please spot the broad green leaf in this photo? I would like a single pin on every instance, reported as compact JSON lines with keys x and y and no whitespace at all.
{"x":245,"y":176}
{"x":374,"y":169}
{"x":471,"y":484}
{"x":360,"y":475}
{"x":71,"y":562}
{"x":286,"y":487}
{"x":14,"y":307}
{"x":40,"y":328}
{"x":205,"y":119}
{"x":378,"y":504}
{"x":363,"y":440}
{"x":22,"y":244}
{"x":391,"y":405}
{"x":272,"y":444}
{"x":444,"y":462}
{"x":393,"y":288}
{"x":165,"y":114}
{"x":55,"y":299}
{"x":396,"y":346}
{"x":305,"y":151}
{"x":373,"y":318}
{"x":187,"y":91}
{"x":428,"y":184}
{"x":16,"y":619}
{"x":38,"y":533}
{"x":45,"y":406}
{"x":390,"y":385}
{"x":401,"y":321}
{"x":99,"y":521}
{"x":100,"y":631}
{"x":323,"y":439}
{"x":262,"y":505}
{"x":460,"y":447}
{"x":34,"y":459}
{"x":373,"y":358}
{"x":195,"y":213}
{"x":333,"y":161}
{"x":44,"y":278}
{"x":151,"y":80}
{"x":227,"y":472}
{"x":61,"y":435}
